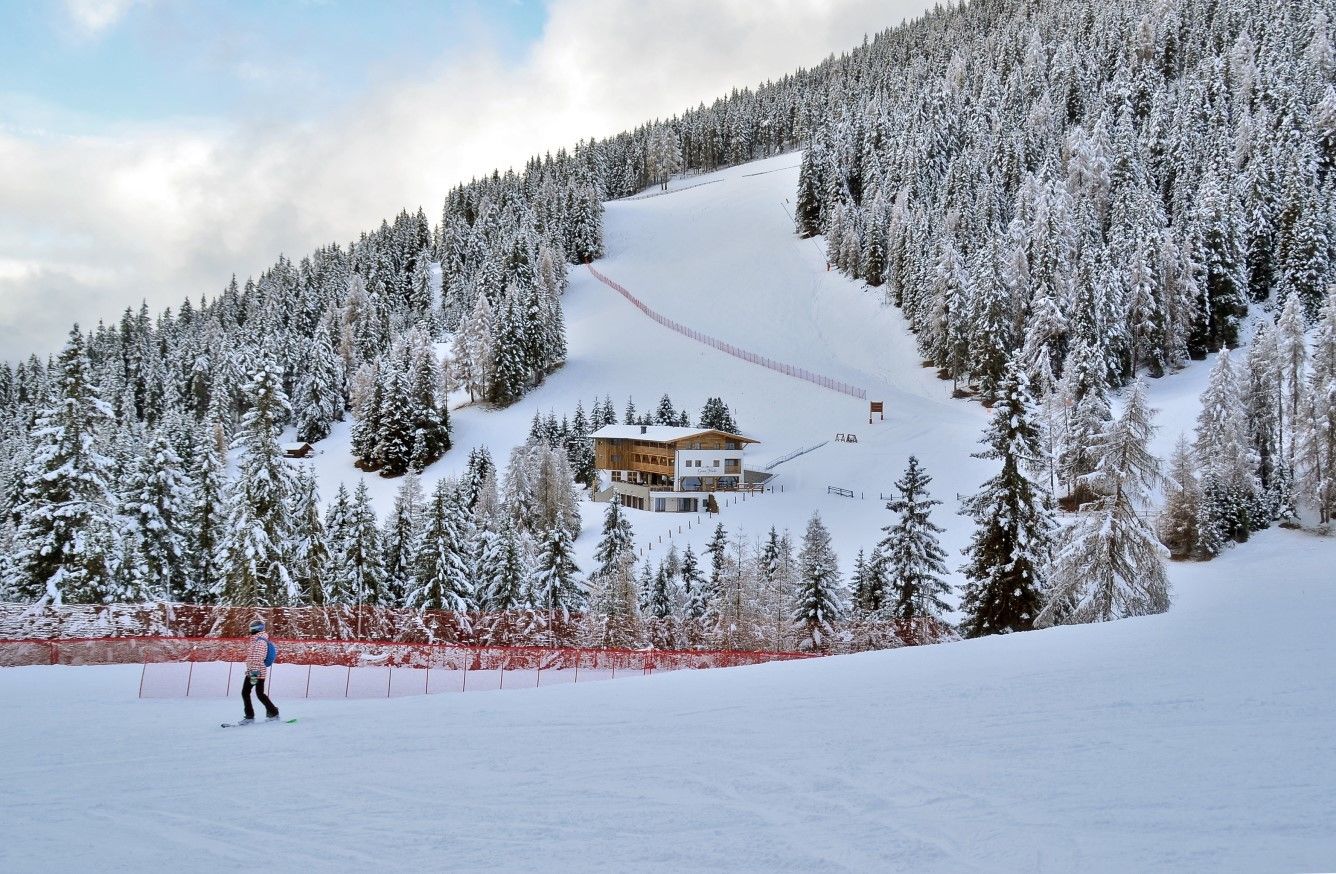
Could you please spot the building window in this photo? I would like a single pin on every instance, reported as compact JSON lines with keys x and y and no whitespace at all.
{"x":660,"y":504}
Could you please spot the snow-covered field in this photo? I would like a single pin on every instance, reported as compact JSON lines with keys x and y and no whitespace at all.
{"x":1199,"y":740}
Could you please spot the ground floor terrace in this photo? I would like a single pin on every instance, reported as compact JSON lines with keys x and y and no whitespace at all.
{"x":661,"y":497}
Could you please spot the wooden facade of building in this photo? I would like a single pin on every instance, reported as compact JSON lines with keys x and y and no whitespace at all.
{"x":656,"y":467}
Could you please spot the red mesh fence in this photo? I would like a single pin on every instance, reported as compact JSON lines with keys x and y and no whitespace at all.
{"x":752,"y":357}
{"x":353,"y":653}
{"x":352,"y":637}
{"x":341,"y":622}
{"x":179,"y":667}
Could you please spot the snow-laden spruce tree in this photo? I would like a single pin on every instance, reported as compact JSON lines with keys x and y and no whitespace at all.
{"x":1226,"y":461}
{"x":368,"y":401}
{"x":392,"y":452}
{"x":735,"y":611}
{"x":1317,"y":423}
{"x":1084,"y":388}
{"x":580,"y":449}
{"x":156,"y":501}
{"x":474,"y":351}
{"x":819,"y":601}
{"x":1182,"y":502}
{"x":440,"y":568}
{"x":945,"y":340}
{"x":585,"y":215}
{"x":399,"y":538}
{"x":718,"y":416}
{"x":519,"y":490}
{"x":1010,"y":550}
{"x":338,"y":522}
{"x":129,"y":577}
{"x":662,"y":599}
{"x":613,"y":618}
{"x":694,"y":590}
{"x":512,"y":369}
{"x":254,"y":550}
{"x":860,"y":585}
{"x":664,"y":414}
{"x":1292,"y":359}
{"x":503,"y":584}
{"x":1109,"y":564}
{"x":645,"y":587}
{"x":553,"y":484}
{"x":63,"y":543}
{"x":1261,"y":402}
{"x":778,"y":577}
{"x":431,"y":411}
{"x":557,"y":588}
{"x":717,"y":549}
{"x":477,"y":467}
{"x":319,"y":397}
{"x":616,"y":541}
{"x":808,"y":210}
{"x":867,"y":584}
{"x":915,"y":560}
{"x":359,"y":562}
{"x":309,"y":559}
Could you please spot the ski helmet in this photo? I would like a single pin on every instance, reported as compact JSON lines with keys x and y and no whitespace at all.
{"x":256,"y":626}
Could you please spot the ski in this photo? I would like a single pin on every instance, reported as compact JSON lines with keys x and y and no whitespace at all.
{"x":259,"y":722}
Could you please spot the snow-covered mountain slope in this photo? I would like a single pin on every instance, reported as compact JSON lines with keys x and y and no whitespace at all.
{"x":722,"y":258}
{"x":1198,"y":740}
{"x":718,"y":254}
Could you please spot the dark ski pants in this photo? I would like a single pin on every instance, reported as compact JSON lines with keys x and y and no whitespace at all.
{"x":269,"y":708}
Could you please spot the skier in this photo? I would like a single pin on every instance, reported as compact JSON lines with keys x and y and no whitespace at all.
{"x":256,"y":673}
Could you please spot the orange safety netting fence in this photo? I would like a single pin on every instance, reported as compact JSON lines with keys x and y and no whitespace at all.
{"x":176,"y":667}
{"x":20,"y":622}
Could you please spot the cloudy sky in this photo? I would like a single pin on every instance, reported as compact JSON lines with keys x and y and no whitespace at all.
{"x":151,"y":148}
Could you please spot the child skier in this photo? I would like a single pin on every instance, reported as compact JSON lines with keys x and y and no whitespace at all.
{"x":256,"y":672}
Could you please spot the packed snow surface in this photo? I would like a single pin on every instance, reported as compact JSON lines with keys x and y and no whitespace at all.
{"x":1199,"y":740}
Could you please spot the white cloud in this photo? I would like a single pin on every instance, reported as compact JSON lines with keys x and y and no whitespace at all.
{"x":93,"y":17}
{"x":164,"y":211}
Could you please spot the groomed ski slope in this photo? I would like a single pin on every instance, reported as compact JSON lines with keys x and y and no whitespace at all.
{"x":1199,"y":740}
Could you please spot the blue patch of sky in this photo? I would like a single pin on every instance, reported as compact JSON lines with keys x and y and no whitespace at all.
{"x":226,"y":58}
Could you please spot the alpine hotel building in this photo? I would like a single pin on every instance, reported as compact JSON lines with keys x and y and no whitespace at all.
{"x":664,"y":469}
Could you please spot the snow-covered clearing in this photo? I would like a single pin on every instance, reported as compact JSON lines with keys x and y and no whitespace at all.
{"x":1194,"y":741}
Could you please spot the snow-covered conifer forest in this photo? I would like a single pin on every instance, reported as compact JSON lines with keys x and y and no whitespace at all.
{"x":1062,"y":199}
